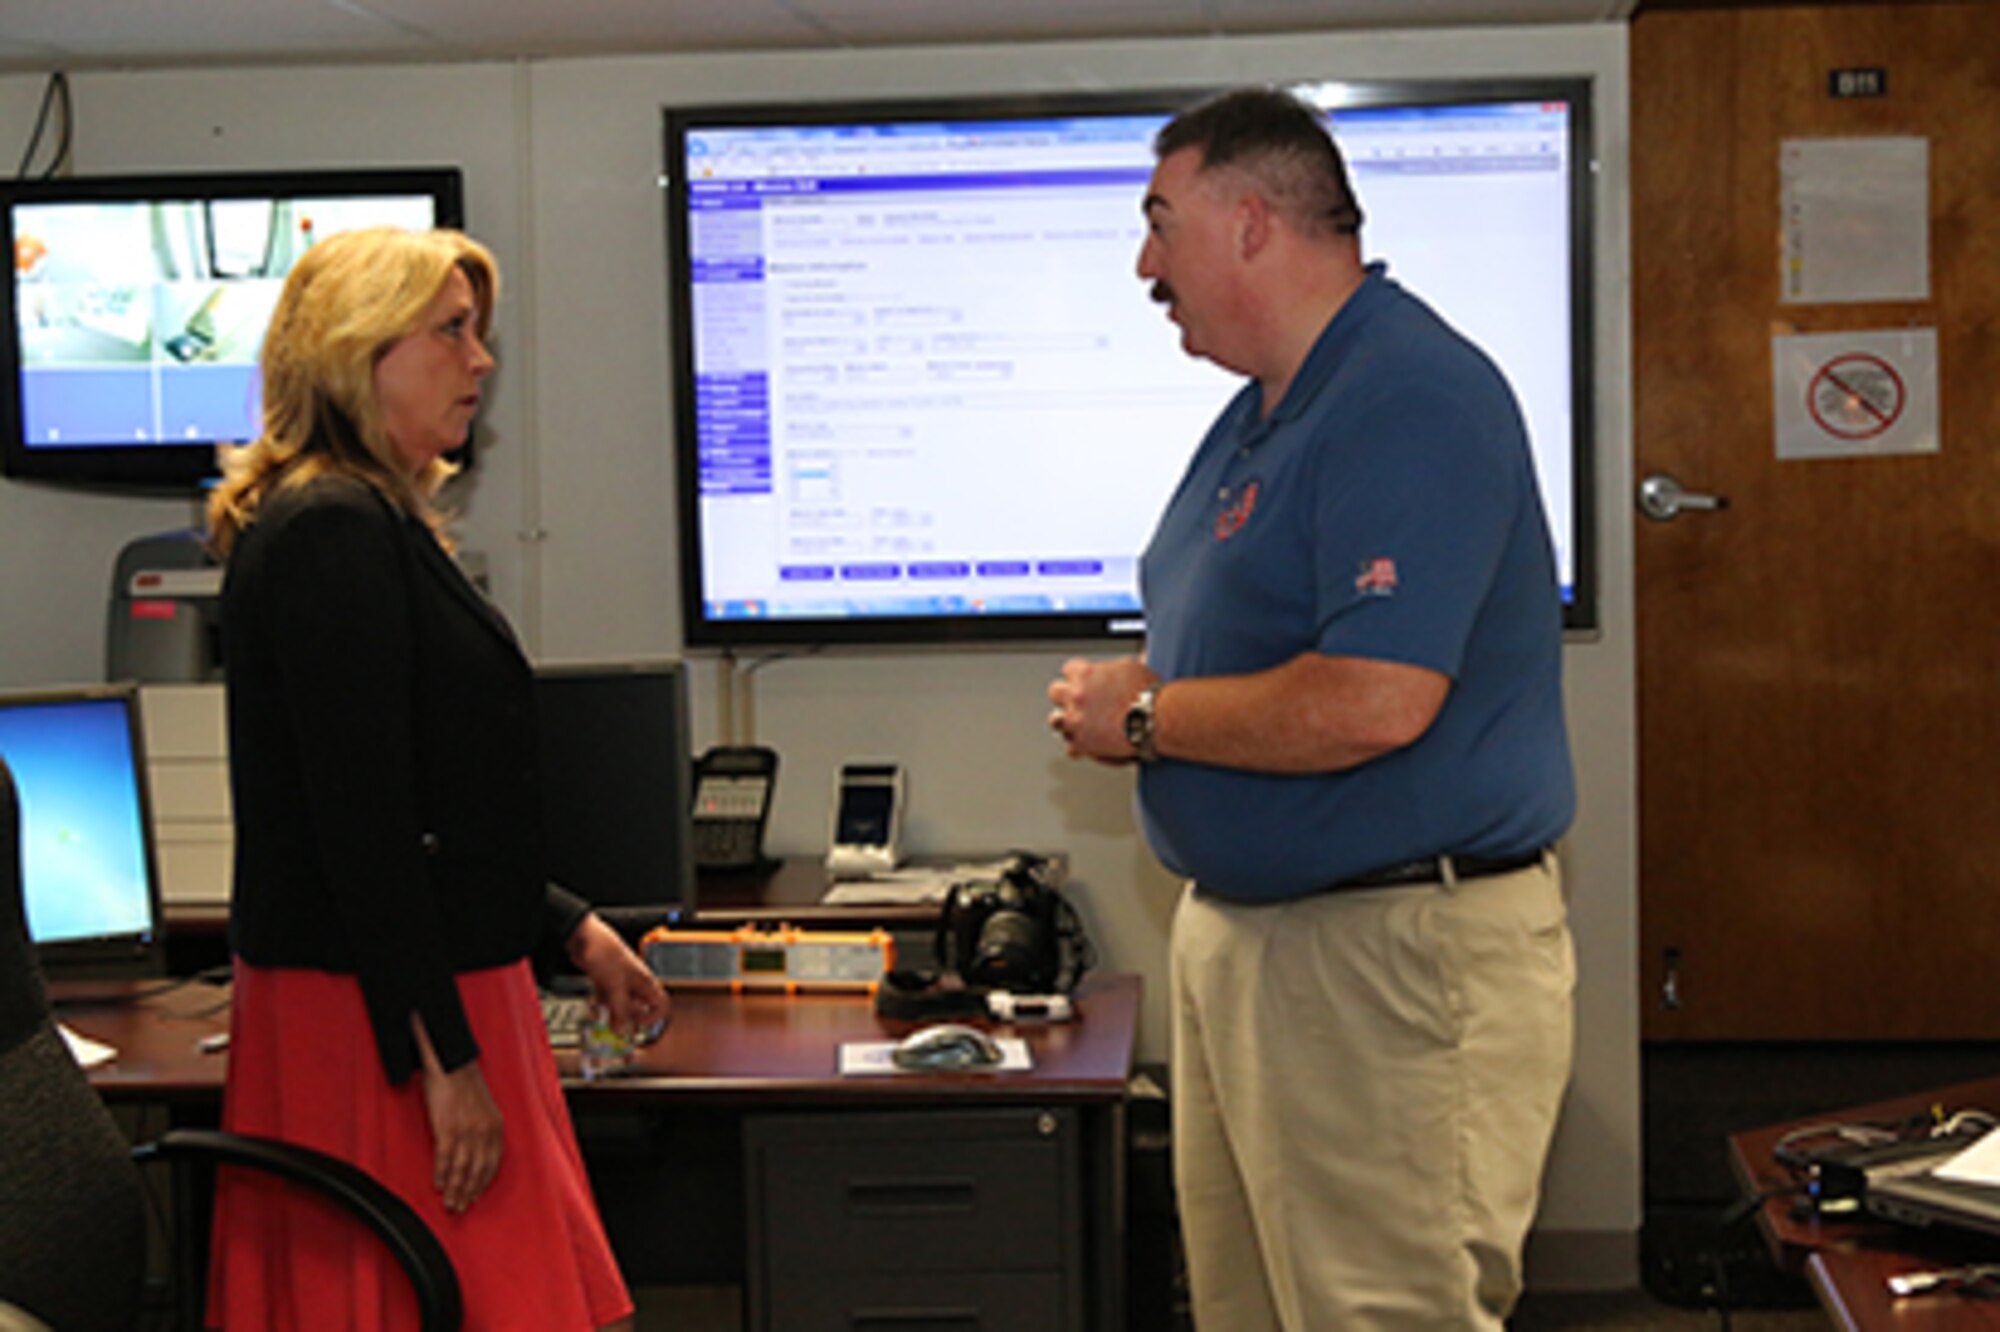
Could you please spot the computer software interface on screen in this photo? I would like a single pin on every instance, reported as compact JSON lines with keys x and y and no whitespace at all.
{"x":927,"y":383}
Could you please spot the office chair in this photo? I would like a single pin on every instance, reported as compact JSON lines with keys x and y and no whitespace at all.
{"x":72,"y":1223}
{"x":192,"y":1152}
{"x":15,"y":1319}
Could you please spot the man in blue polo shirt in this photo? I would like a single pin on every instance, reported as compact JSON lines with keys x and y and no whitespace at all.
{"x":1349,"y":731}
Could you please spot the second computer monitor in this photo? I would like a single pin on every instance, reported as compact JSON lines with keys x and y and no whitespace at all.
{"x":616,"y":782}
{"x":89,"y":879}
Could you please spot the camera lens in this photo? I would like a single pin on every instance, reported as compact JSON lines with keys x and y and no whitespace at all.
{"x":1012,"y":952}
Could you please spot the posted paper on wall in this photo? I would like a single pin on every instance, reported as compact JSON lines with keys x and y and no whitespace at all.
{"x":1856,"y":224}
{"x":1847,"y":395}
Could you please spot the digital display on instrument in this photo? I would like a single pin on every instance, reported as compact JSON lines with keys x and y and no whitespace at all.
{"x":763,"y":961}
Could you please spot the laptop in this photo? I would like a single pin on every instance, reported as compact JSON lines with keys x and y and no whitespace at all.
{"x":1911,"y":1191}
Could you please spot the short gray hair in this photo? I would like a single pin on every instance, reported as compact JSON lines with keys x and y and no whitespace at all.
{"x":1282,"y":144}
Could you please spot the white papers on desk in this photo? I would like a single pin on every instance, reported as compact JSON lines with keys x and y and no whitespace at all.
{"x":85,"y":1051}
{"x":1977,"y":1164}
{"x":873,"y":1057}
{"x":919,"y":885}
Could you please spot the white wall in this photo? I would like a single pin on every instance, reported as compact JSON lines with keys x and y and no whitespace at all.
{"x":574,"y":500}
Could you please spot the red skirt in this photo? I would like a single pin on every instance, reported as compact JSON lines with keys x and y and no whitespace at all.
{"x":531,"y":1253}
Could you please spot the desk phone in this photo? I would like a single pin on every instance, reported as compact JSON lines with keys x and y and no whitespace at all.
{"x":732,"y":802}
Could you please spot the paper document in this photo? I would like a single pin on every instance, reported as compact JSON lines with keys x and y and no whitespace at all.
{"x":923,"y":885}
{"x":85,"y":1051}
{"x":866,"y":1057}
{"x":1977,"y":1164}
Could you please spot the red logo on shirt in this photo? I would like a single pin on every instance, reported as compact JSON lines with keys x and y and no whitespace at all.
{"x":1377,"y":578}
{"x":1230,"y":521}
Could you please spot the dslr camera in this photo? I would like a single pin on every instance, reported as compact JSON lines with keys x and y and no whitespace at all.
{"x":1015,"y":934}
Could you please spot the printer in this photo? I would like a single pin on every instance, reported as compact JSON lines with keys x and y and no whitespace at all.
{"x":165,"y":622}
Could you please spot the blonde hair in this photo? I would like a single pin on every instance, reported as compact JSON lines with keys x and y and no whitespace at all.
{"x":348,"y":300}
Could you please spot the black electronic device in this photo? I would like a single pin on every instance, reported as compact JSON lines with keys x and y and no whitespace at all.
{"x":132,"y":326}
{"x":90,"y":878}
{"x":1016,"y":933}
{"x":615,"y":781}
{"x":867,"y":835}
{"x":733,"y":789}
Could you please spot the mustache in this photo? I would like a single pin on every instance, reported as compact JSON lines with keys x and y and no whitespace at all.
{"x":1162,"y":294}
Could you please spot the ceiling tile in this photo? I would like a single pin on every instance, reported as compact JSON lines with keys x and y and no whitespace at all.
{"x":65,"y":33}
{"x":537,"y":27}
{"x":1277,"y":15}
{"x":869,"y":22}
{"x":113,"y":29}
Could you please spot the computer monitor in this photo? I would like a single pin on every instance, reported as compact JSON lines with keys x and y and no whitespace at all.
{"x":616,"y":777}
{"x":921,"y":397}
{"x":89,"y":875}
{"x":131,"y":329}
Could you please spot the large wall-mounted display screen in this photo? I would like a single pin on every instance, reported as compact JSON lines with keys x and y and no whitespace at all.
{"x":131,"y":331}
{"x":922,"y":395}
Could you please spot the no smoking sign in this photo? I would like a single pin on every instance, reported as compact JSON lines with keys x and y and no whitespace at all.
{"x":1840,"y":395}
{"x":1856,"y":396}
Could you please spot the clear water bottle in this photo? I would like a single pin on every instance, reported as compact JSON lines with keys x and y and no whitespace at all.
{"x":602,"y":1049}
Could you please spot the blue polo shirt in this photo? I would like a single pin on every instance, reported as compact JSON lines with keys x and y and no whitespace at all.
{"x":1387,"y":509}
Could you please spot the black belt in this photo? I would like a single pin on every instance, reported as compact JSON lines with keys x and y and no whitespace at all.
{"x":1431,"y":870}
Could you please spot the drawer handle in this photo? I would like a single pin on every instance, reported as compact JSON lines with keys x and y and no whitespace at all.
{"x":914,"y":1320}
{"x":880,"y":1196}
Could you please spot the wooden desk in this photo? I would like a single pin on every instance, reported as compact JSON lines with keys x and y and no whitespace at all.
{"x":1849,"y":1261}
{"x":748,"y":1056}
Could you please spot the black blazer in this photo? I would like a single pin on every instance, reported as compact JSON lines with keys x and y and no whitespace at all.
{"x":382,"y":763}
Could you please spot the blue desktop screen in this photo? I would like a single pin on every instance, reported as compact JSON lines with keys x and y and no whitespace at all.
{"x":86,"y":871}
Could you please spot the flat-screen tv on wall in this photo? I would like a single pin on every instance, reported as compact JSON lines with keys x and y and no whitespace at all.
{"x":131,"y":328}
{"x":922,"y":397}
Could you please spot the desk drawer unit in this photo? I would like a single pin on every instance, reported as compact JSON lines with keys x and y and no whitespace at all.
{"x":959,"y":1220}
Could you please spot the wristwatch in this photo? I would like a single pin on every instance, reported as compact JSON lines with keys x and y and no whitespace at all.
{"x":1139,"y":725}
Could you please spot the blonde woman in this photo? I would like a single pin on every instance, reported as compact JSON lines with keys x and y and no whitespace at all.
{"x":388,"y":889}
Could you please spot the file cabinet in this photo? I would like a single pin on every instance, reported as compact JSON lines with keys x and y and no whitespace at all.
{"x":864,"y":1221}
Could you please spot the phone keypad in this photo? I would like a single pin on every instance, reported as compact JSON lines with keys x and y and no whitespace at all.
{"x":725,"y":842}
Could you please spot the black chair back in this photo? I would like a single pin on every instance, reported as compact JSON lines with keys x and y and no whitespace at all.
{"x":72,"y":1219}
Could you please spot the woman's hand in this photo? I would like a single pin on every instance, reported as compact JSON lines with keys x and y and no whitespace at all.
{"x":619,"y":979}
{"x":466,"y":1127}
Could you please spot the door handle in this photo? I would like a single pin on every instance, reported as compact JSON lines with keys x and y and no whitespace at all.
{"x":1662,"y":498}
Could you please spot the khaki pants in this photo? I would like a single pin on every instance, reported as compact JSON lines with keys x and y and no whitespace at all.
{"x":1364,"y":1088}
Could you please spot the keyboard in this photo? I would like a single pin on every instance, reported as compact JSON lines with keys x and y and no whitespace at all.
{"x":564,"y":1015}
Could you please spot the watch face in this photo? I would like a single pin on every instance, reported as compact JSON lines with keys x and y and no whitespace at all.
{"x":1139,"y":723}
{"x":1135,"y":726}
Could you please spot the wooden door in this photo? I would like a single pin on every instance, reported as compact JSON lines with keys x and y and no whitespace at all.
{"x":1819,"y":663}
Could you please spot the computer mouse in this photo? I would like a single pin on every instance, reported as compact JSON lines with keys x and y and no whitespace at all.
{"x":946,"y":1046}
